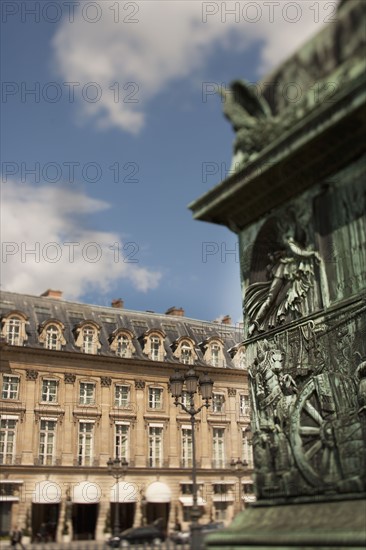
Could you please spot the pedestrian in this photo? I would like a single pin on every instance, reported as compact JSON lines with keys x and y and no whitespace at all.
{"x":16,"y":538}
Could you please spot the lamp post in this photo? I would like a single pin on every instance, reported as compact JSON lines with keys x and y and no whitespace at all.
{"x":117,"y":468}
{"x":239,"y":467}
{"x":192,"y":382}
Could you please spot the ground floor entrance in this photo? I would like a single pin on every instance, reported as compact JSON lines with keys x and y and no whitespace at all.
{"x":156,"y":510}
{"x":44,"y":522}
{"x":84,"y":520}
{"x":126,"y":515}
{"x":5,"y":518}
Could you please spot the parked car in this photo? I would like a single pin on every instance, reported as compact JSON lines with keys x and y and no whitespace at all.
{"x":184,"y":537}
{"x":181,"y":537}
{"x":152,"y":533}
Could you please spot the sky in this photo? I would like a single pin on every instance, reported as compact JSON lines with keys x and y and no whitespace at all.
{"x":111,"y":126}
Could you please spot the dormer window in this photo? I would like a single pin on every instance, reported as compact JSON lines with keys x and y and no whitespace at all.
{"x":51,"y":335}
{"x":184,"y":350}
{"x":13,"y":329}
{"x":215,"y":355}
{"x":122,"y":346}
{"x":213,"y":352}
{"x":239,"y":357}
{"x":88,"y":340}
{"x":186,"y":353}
{"x":154,"y":345}
{"x":121,"y":343}
{"x":88,"y":337}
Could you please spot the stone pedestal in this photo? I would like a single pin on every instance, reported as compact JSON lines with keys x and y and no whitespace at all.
{"x":305,"y":526}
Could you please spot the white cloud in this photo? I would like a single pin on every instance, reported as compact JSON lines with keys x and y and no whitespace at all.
{"x":43,"y":220}
{"x":169,"y":41}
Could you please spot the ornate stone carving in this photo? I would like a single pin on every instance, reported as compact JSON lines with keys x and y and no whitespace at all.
{"x":140,"y":384}
{"x":31,"y":374}
{"x":69,"y":378}
{"x":308,"y":413}
{"x":105,"y":381}
{"x":231,"y":392}
{"x":290,"y":276}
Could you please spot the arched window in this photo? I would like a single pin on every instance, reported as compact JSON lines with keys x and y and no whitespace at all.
{"x":51,"y":335}
{"x":121,"y":343}
{"x":154,"y":345}
{"x":87,"y":338}
{"x":13,"y":329}
{"x":183,"y":349}
{"x":214,"y":352}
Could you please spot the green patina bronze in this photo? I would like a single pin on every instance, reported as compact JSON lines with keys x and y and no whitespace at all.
{"x":297,"y":200}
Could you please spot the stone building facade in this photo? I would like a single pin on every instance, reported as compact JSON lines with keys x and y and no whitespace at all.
{"x":81,"y":384}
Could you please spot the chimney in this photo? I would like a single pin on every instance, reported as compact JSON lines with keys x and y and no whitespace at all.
{"x":177,"y":311}
{"x":56,"y":294}
{"x":226,"y":320}
{"x":118,"y":303}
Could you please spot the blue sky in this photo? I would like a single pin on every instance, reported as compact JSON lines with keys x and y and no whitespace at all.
{"x":100,"y":162}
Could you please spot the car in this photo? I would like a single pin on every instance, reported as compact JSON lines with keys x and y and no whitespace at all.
{"x":181,"y":537}
{"x":152,"y":533}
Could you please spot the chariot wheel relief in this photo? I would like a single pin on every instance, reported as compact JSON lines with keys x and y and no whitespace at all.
{"x":313,"y":439}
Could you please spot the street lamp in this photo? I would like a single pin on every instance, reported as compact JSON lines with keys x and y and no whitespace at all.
{"x":117,"y":468}
{"x":192,"y":382}
{"x":239,"y":467}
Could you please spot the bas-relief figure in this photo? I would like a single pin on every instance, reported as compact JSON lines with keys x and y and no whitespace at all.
{"x":307,"y":367}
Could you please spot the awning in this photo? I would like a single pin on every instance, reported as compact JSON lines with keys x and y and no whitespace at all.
{"x":188,"y":501}
{"x":47,"y":492}
{"x":124,"y":491}
{"x":86,"y":492}
{"x":249,"y":498}
{"x":158,"y":492}
{"x":223,"y":498}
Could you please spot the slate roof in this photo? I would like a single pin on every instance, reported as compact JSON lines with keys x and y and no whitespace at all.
{"x":39,"y":309}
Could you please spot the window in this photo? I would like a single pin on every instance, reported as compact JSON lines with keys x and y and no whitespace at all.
{"x":155,"y":398}
{"x":186,"y":400}
{"x":244,"y":405}
{"x":7,"y":440}
{"x":218,"y":402}
{"x":218,"y":447}
{"x":220,"y":510}
{"x":186,"y":446}
{"x":121,"y":396}
{"x":153,"y":345}
{"x":49,"y":391}
{"x":122,"y":346}
{"x":13,"y":331}
{"x":213,"y":351}
{"x":215,"y":355}
{"x":121,"y":441}
{"x":47,"y":435}
{"x":87,"y":393}
{"x":155,"y":348}
{"x":186,"y":353}
{"x":53,"y":340}
{"x":155,"y":446}
{"x":89,"y":339}
{"x":121,"y":343}
{"x":85,"y":448}
{"x":51,"y":335}
{"x":247,"y":449}
{"x":10,"y":387}
{"x":220,"y":488}
{"x":248,"y":488}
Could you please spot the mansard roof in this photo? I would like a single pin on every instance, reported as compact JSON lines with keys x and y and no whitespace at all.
{"x":40,"y":309}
